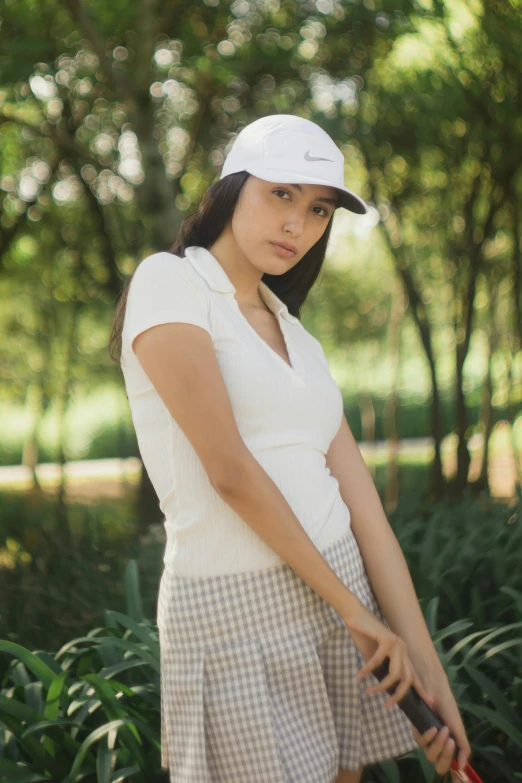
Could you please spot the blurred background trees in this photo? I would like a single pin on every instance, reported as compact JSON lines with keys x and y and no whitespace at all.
{"x":115,"y":118}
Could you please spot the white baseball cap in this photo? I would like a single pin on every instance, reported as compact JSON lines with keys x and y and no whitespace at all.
{"x":290,"y":149}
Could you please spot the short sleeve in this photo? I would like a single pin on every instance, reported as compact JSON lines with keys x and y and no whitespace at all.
{"x":162,"y":291}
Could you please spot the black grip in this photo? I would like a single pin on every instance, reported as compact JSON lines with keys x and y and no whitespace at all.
{"x":413,"y":705}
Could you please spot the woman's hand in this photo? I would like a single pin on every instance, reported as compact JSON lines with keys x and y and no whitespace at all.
{"x":436,"y":745}
{"x":376,"y":642}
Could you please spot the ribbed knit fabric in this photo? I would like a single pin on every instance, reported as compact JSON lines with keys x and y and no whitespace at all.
{"x":287,"y":417}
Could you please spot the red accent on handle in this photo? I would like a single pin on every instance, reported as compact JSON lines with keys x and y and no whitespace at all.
{"x":468,"y":769}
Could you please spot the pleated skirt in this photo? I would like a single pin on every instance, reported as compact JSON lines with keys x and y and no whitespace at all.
{"x":258,"y":679}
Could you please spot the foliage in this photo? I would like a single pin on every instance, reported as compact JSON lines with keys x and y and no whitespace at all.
{"x":89,"y":712}
{"x":92,"y":709}
{"x":54,"y":586}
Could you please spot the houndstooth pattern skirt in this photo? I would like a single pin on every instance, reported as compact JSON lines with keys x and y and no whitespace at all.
{"x":258,"y":679}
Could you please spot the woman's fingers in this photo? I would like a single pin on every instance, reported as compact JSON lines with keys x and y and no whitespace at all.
{"x":437,"y":746}
{"x":384,"y":651}
{"x":400,"y":673}
{"x":367,"y":632}
{"x":424,"y":739}
{"x":377,"y":658}
{"x":404,"y":685}
{"x":400,"y":692}
{"x":394,"y":674}
{"x":464,"y":752}
{"x":461,"y":741}
{"x":405,"y":675}
{"x":442,"y":762}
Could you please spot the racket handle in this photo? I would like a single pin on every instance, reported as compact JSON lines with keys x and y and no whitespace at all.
{"x":413,"y":705}
{"x":423,"y":718}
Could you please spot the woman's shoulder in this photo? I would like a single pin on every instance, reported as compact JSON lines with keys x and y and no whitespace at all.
{"x":163,"y":260}
{"x":164,"y":267}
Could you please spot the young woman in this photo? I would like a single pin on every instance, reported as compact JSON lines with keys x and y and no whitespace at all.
{"x":267,"y":617}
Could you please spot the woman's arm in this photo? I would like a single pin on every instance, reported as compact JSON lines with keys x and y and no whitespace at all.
{"x":383,"y":557}
{"x":180,"y":361}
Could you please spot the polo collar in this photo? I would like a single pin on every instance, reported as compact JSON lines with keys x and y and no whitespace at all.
{"x":207,"y":265}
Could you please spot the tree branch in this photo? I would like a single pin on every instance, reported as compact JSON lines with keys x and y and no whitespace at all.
{"x":118,"y":80}
{"x":66,"y":144}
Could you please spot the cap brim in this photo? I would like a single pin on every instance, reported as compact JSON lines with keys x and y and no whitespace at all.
{"x":347,"y":199}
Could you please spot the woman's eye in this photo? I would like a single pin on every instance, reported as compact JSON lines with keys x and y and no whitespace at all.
{"x":279,"y":190}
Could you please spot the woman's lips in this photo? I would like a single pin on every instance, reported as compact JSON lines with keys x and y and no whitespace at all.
{"x":283,"y":251}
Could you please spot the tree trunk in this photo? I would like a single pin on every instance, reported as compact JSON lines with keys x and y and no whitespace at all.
{"x":367,"y":411}
{"x":486,"y":418}
{"x":391,"y":496}
{"x":63,"y":397}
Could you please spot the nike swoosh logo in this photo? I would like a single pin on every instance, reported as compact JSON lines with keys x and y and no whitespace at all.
{"x":308,"y":157}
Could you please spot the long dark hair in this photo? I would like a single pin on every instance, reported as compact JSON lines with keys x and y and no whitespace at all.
{"x":204,"y":226}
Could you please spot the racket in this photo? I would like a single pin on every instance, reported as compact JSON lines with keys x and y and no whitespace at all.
{"x":423,"y":718}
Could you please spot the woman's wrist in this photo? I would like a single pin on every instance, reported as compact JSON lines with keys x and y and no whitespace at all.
{"x":432,"y":675}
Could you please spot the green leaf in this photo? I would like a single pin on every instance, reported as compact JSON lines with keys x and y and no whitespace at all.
{"x":19,"y":710}
{"x":498,"y":648}
{"x":24,"y":713}
{"x":125,"y":772}
{"x":495,"y":756}
{"x":463,"y":643}
{"x":44,"y":724}
{"x":40,"y":670}
{"x":18,"y":673}
{"x":515,"y":594}
{"x":85,"y":707}
{"x":68,"y":645}
{"x":130,"y":736}
{"x":490,"y":635}
{"x":31,"y":745}
{"x":52,"y":703}
{"x":12,"y":772}
{"x":427,"y":767}
{"x":495,"y":695}
{"x":456,"y":627}
{"x":106,"y":758}
{"x":128,"y":647}
{"x":105,"y":693}
{"x":391,"y":771}
{"x":34,"y":695}
{"x":139,"y":631}
{"x":93,"y":737}
{"x":117,"y":668}
{"x":494,"y":719}
{"x":431,"y":615}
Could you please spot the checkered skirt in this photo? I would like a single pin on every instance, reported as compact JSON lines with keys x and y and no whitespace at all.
{"x":258,"y":679}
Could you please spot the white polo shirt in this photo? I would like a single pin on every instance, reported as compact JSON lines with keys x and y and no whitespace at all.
{"x":287,"y":417}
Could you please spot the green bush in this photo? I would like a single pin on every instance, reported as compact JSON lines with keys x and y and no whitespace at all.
{"x":56,"y":584}
{"x":91,"y":712}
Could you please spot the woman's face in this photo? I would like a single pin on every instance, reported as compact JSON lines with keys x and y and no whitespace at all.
{"x":269,"y":212}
